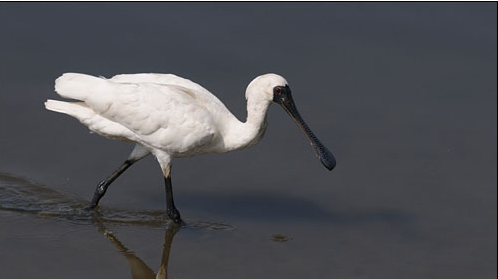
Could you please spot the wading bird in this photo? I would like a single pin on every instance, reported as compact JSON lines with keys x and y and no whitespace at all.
{"x":170,"y":117}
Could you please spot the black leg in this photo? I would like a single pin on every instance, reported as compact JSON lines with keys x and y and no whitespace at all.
{"x":104,"y":184}
{"x":171,"y":210}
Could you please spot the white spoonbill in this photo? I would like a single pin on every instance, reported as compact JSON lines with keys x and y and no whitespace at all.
{"x":170,"y":117}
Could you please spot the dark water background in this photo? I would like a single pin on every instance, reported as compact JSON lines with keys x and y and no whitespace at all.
{"x":403,"y":94}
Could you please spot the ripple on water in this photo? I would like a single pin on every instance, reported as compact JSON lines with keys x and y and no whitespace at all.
{"x":280,"y":238}
{"x":22,"y":195}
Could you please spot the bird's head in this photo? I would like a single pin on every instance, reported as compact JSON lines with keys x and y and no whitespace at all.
{"x":274,"y":88}
{"x":262,"y":87}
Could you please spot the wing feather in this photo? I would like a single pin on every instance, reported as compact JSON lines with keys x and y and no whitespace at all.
{"x":160,"y":115}
{"x":189,"y":87}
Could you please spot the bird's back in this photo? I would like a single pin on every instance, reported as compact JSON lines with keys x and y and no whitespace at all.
{"x":203,"y":95}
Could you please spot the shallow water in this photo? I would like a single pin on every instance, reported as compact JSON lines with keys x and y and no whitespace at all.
{"x":403,"y":94}
{"x":23,"y":196}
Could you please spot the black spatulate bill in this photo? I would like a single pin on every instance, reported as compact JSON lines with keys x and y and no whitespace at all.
{"x":282,"y":96}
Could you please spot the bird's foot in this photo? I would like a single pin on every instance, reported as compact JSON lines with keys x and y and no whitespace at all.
{"x":90,"y":207}
{"x":174,"y":215}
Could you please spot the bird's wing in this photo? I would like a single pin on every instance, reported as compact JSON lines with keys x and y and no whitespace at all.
{"x":202,"y":94}
{"x":162,"y":116}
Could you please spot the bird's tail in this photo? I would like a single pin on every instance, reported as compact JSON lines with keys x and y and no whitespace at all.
{"x":76,"y":109}
{"x":77,"y":86}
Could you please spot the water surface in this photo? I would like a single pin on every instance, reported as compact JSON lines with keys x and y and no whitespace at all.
{"x":403,"y":94}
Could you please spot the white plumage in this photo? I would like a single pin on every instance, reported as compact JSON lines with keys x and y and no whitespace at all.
{"x":170,"y":116}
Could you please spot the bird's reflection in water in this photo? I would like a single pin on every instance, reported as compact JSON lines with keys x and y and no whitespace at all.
{"x":139,"y":269}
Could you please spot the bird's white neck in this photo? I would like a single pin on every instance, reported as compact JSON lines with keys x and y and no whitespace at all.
{"x":245,"y":134}
{"x":256,"y":112}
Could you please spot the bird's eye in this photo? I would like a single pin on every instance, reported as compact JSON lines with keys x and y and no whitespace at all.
{"x":278,"y":90}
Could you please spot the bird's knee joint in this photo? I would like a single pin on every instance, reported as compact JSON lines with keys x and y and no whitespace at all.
{"x":166,"y":171}
{"x":101,"y":189}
